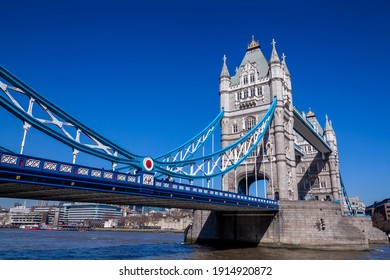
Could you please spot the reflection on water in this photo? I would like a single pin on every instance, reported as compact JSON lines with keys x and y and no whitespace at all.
{"x":94,"y":245}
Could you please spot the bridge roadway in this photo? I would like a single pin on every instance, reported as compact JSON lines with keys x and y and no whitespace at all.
{"x":28,"y":177}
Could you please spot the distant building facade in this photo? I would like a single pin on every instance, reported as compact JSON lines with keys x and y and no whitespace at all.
{"x":380,"y":213}
{"x":381,"y":207}
{"x":95,"y":214}
{"x":66,"y":214}
{"x":22,"y":215}
{"x":357,"y":205}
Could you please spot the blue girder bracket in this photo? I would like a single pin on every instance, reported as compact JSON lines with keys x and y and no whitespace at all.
{"x":222,"y":161}
{"x":118,"y":154}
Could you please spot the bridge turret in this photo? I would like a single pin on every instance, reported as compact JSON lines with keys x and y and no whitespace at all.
{"x":246,"y":97}
{"x":282,"y":190}
{"x":286,"y":73}
{"x":224,"y":85}
{"x":289,"y":131}
{"x":333,"y":160}
{"x":329,"y":133}
{"x":275,"y":65}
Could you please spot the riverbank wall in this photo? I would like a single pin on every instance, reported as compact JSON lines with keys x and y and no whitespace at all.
{"x":297,"y":224}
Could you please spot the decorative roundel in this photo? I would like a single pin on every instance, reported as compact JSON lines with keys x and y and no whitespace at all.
{"x":148,"y":164}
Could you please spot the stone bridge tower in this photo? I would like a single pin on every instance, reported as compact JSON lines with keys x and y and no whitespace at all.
{"x":295,"y":169}
{"x":289,"y":174}
{"x":246,"y":97}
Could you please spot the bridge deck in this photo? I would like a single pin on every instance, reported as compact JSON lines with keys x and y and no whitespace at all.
{"x":34,"y":178}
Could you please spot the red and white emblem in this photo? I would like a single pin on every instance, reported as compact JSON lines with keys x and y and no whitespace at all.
{"x":148,"y":164}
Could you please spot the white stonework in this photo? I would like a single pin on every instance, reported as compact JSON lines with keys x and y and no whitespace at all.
{"x":246,"y":97}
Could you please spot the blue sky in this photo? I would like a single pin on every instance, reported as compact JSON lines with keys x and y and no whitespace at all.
{"x":145,"y":73}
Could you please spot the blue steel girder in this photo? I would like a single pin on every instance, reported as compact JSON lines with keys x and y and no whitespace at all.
{"x":346,"y":198}
{"x":188,"y":149}
{"x":222,"y":161}
{"x":180,"y":162}
{"x":22,"y":176}
{"x":58,"y":124}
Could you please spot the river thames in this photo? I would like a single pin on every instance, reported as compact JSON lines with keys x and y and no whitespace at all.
{"x":16,"y":244}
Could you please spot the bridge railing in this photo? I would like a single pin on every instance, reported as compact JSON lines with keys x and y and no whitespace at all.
{"x":49,"y":168}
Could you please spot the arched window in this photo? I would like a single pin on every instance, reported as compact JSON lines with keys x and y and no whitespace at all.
{"x":234,"y":128}
{"x":252,"y":94}
{"x":260,"y":91}
{"x":252,"y":78}
{"x":249,"y":122}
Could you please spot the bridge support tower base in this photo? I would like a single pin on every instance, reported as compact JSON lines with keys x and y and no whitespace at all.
{"x":298,"y":224}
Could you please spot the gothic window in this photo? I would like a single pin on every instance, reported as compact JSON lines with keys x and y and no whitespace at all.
{"x":260,"y":91}
{"x":252,"y":78}
{"x":252,"y":92}
{"x":310,"y":149}
{"x":303,"y":169}
{"x":245,"y":93}
{"x":250,"y":123}
{"x":234,"y":128}
{"x":237,"y":96}
{"x":245,"y":79}
{"x":323,"y":184}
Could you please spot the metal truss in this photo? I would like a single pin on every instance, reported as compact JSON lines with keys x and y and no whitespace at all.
{"x":181,"y":162}
{"x":188,"y":149}
{"x":53,"y":121}
{"x":222,"y":161}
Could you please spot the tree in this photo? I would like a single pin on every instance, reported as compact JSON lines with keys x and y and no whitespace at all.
{"x":4,"y":218}
{"x":177,"y":214}
{"x":155,"y":217}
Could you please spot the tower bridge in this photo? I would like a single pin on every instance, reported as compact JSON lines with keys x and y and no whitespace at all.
{"x":264,"y":138}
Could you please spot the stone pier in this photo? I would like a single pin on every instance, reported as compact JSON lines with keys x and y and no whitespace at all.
{"x":297,"y":224}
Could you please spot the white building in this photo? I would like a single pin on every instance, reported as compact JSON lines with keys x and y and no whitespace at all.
{"x":76,"y":214}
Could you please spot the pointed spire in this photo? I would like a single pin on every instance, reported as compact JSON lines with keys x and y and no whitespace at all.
{"x":254,"y":44}
{"x":310,"y":114}
{"x":274,"y":55}
{"x":328,"y":124}
{"x":284,"y":65}
{"x":225,"y":71}
{"x":329,"y":133}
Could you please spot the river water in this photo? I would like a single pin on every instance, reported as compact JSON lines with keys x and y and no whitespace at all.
{"x":16,"y":244}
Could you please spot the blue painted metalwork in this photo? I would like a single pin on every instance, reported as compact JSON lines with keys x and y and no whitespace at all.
{"x":38,"y":171}
{"x":188,"y":149}
{"x":346,"y":198}
{"x":222,"y":161}
{"x":123,"y":156}
{"x":2,"y":149}
{"x":172,"y":164}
